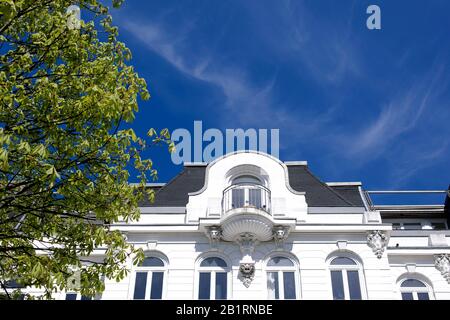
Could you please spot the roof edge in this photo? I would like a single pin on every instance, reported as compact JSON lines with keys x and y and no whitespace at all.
{"x":296,"y":163}
{"x":339,"y":184}
{"x":195,"y":164}
{"x":149,"y":184}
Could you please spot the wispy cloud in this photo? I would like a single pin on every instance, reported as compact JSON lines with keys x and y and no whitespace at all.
{"x":326,"y":51}
{"x":406,"y":133}
{"x":237,"y":90}
{"x":400,"y":115}
{"x":246,"y":104}
{"x":415,"y":160}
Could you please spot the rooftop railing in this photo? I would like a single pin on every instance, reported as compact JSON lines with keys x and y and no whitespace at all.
{"x":406,"y":199}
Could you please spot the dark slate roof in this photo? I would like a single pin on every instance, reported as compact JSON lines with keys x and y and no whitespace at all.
{"x":318,"y":194}
{"x":175,"y":192}
{"x":350,"y":193}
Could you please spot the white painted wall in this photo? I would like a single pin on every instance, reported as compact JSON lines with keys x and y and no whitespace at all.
{"x":311,"y":251}
{"x":177,"y":236}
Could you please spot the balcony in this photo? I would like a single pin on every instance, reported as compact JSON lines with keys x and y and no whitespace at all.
{"x":246,"y":212}
{"x":246,"y":196}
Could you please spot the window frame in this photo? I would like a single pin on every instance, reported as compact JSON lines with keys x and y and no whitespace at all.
{"x":256,"y":180}
{"x":78,"y":296}
{"x":246,"y":197}
{"x":344,"y":269}
{"x":407,"y":224}
{"x":280,"y":272}
{"x":149,"y":270}
{"x":213,"y":271}
{"x":415,"y":290}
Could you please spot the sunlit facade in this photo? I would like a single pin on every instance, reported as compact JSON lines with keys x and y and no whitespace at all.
{"x":248,"y":226}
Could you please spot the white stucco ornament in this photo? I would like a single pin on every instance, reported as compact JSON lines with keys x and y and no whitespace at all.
{"x":214,"y":234}
{"x":442,"y":263}
{"x":247,"y":243}
{"x":280,"y":234}
{"x":378,"y":241}
{"x":247,"y":273}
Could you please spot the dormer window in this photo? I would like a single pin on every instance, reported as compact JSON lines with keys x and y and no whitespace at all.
{"x":246,"y":191}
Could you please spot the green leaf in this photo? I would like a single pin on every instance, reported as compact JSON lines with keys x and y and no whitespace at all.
{"x":52,"y":173}
{"x":61,"y":155}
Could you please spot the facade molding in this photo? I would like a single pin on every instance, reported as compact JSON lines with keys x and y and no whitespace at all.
{"x":337,"y":210}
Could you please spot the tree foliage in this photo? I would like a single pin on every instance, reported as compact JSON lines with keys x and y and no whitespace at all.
{"x":63,"y":158}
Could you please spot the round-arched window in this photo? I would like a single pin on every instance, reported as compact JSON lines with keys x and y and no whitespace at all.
{"x":413,"y":289}
{"x":281,"y":278}
{"x":246,"y":179}
{"x":346,"y":279}
{"x":213,"y":279}
{"x":149,"y":279}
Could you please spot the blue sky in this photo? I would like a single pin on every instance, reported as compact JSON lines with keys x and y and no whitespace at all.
{"x":357,"y":104}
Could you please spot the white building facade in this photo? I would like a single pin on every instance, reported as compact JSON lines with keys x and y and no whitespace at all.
{"x":248,"y":226}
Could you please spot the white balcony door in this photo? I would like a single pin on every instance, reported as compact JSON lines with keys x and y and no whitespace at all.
{"x":247,"y":192}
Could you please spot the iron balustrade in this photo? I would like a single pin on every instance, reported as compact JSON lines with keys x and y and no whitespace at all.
{"x":246,"y":195}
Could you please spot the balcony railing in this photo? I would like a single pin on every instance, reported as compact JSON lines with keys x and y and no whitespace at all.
{"x":246,"y":196}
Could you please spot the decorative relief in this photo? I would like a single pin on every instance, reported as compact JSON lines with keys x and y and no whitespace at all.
{"x":214,"y":235}
{"x":342,"y":244}
{"x":151,"y":245}
{"x":247,"y":242}
{"x":378,"y":241}
{"x":280,"y":234}
{"x":442,"y":263}
{"x":247,"y":273}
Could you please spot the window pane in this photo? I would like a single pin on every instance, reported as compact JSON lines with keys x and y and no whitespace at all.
{"x":237,"y":198}
{"x":353,"y":285}
{"x":213,"y":262}
{"x":438,"y":225}
{"x":396,"y":226}
{"x":221,"y":285}
{"x":423,"y":296}
{"x":407,"y":296}
{"x":140,"y":284}
{"x":157,"y":285}
{"x":413,"y":283}
{"x":343,"y":261}
{"x":412,"y":226}
{"x":280,"y":262}
{"x":272,"y":285}
{"x":71,"y":296}
{"x":204,"y":289}
{"x":289,"y":285}
{"x":246,"y":180}
{"x":13,"y":284}
{"x":338,"y":285}
{"x":255,"y":198}
{"x":152,"y":262}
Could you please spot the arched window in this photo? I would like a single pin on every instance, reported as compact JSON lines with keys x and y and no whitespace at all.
{"x":413,"y":289}
{"x":248,"y":191}
{"x":246,"y":179}
{"x":346,"y":279}
{"x":213,"y":279}
{"x":281,"y":278}
{"x":149,"y":279}
{"x":76,"y":296}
